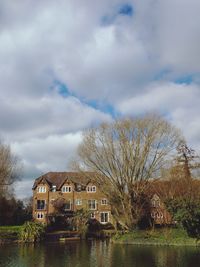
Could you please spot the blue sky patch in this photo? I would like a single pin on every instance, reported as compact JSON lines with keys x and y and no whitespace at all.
{"x":103,"y":107}
{"x":188,"y":79}
{"x":64,"y":91}
{"x":61,"y":88}
{"x":121,"y":10}
{"x":126,"y":10}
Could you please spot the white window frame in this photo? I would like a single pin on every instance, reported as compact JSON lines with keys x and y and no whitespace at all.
{"x":40,"y":215}
{"x":70,"y":201}
{"x":104,"y":201}
{"x":89,"y":205}
{"x":78,"y":202}
{"x":66,"y":189}
{"x":105,"y":212}
{"x":92,"y":215}
{"x":155,"y":203}
{"x":91,"y":189}
{"x":41,"y":189}
{"x":41,"y":205}
{"x":53,"y":188}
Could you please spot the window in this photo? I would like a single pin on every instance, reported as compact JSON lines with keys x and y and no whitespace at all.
{"x":92,"y":215}
{"x":40,"y":215}
{"x":66,"y":189}
{"x":78,"y":187}
{"x":158,"y":215}
{"x":67,"y":205}
{"x":104,"y":201}
{"x":41,"y":189}
{"x":91,"y":189}
{"x":53,"y":188}
{"x":78,"y":202}
{"x":92,"y":204}
{"x":40,"y":204}
{"x":104,"y":217}
{"x":155,"y":203}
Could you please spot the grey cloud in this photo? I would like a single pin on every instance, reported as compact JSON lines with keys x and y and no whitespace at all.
{"x":53,"y":114}
{"x":178,"y":102}
{"x":44,"y":41}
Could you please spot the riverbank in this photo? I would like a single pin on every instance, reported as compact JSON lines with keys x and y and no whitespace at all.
{"x":165,"y":236}
{"x":9,"y":234}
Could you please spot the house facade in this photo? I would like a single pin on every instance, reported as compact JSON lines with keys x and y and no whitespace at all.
{"x":159,"y":213}
{"x":75,"y":190}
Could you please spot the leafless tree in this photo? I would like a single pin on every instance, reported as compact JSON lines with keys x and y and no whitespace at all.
{"x":124,"y":155}
{"x":180,"y":179}
{"x":10,"y":168}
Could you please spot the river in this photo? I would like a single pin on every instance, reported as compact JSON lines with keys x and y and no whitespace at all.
{"x":97,"y":254}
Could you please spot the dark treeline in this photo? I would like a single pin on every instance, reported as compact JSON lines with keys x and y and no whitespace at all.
{"x":14,"y":212}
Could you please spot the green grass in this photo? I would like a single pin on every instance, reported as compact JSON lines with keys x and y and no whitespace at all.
{"x":9,"y":232}
{"x":165,"y":236}
{"x":10,"y":229}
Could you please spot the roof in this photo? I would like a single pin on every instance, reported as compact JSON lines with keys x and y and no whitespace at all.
{"x":59,"y":178}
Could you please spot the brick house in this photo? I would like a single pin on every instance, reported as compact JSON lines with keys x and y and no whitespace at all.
{"x":159,"y":213}
{"x":77,"y":192}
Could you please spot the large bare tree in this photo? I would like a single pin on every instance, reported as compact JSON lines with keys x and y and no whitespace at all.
{"x":10,"y":168}
{"x":124,"y":155}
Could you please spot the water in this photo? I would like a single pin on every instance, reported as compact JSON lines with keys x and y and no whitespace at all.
{"x":97,"y":254}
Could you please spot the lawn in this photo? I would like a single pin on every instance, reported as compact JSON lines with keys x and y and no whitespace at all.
{"x":165,"y":236}
{"x":10,"y":229}
{"x":9,"y":232}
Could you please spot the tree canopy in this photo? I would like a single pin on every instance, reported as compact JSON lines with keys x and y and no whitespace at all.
{"x":10,"y":168}
{"x":124,"y":155}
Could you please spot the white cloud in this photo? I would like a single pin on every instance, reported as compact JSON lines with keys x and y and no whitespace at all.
{"x":117,"y":63}
{"x":51,"y":114}
{"x":41,"y":155}
{"x":178,"y":102}
{"x":23,"y":189}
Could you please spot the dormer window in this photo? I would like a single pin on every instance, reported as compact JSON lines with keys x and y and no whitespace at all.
{"x":104,"y":201}
{"x":78,"y":187}
{"x":53,"y":188}
{"x":155,"y":203}
{"x":91,"y":189}
{"x":41,"y":189}
{"x":66,"y":189}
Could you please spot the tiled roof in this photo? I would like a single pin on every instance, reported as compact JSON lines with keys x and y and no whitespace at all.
{"x":58,"y":178}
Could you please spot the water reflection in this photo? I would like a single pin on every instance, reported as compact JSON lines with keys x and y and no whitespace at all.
{"x":96,"y":254}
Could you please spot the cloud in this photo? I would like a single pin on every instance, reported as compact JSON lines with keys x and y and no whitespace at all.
{"x":144,"y":57}
{"x":179,"y":103}
{"x":50,"y":114}
{"x":23,"y":189}
{"x":41,"y":155}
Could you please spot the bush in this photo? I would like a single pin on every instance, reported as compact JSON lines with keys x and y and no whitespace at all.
{"x":32,"y":232}
{"x":187,"y":213}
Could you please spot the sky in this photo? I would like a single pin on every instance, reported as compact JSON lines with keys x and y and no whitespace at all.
{"x":67,"y":65}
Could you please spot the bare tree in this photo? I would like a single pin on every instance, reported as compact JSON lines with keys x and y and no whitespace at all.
{"x":180,"y":179}
{"x":10,"y":168}
{"x":124,"y":155}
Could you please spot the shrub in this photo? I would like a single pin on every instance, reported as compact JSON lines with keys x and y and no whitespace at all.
{"x":32,"y":232}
